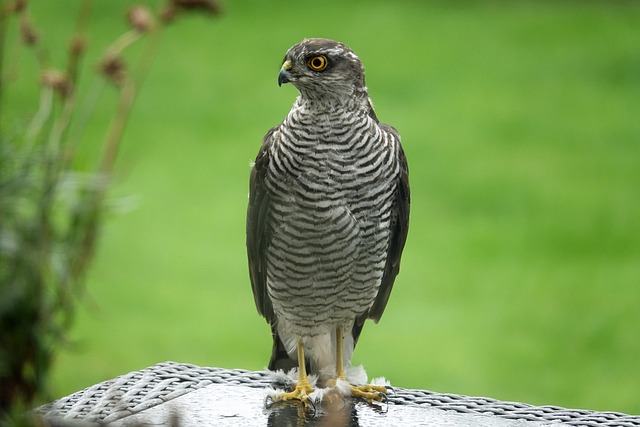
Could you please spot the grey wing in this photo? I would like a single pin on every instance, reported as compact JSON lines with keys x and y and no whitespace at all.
{"x":258,"y":230}
{"x":399,"y":229}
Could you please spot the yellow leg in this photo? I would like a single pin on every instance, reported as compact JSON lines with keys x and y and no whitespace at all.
{"x":367,"y":392}
{"x":303,"y":387}
{"x":339,"y":361}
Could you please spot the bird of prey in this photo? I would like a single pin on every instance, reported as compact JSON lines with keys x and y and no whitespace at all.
{"x":327,"y":218}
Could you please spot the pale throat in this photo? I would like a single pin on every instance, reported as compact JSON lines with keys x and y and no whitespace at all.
{"x":327,"y":104}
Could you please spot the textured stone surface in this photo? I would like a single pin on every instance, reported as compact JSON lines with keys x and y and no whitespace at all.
{"x":172,"y":393}
{"x":232,"y":405}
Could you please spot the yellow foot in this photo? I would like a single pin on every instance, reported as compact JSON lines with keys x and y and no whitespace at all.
{"x":370,"y":393}
{"x":301,"y":392}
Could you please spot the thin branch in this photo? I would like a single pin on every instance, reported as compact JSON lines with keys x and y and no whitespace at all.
{"x":43,"y":114}
{"x":77,"y":46}
{"x":85,"y":112}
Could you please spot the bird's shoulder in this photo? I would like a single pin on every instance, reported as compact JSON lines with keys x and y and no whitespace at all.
{"x":390,"y":130}
{"x":385,"y":127}
{"x":262,"y":159}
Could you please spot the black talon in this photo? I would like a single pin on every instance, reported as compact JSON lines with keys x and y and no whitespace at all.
{"x":268,"y":401}
{"x":313,"y":411}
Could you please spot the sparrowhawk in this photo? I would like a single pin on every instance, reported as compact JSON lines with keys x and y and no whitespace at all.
{"x":327,"y":218}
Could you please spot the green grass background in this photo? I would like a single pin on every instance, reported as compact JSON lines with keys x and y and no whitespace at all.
{"x":521,"y":123}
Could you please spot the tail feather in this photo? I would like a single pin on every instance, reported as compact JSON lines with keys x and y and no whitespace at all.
{"x":357,"y":327}
{"x":280,"y":359}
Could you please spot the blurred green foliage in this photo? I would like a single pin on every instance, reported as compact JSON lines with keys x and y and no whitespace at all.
{"x":520,"y":120}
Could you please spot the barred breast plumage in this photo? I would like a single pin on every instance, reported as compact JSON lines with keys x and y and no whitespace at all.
{"x":328,"y":209}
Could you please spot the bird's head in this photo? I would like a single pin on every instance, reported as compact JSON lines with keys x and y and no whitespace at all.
{"x":323,"y":69}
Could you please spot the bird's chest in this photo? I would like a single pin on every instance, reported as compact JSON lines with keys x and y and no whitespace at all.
{"x":323,"y":172}
{"x":330,"y":174}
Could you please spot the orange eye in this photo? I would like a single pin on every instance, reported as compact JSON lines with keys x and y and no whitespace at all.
{"x":318,"y":63}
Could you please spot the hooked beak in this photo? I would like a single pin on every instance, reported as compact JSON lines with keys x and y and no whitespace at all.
{"x":285,"y":76}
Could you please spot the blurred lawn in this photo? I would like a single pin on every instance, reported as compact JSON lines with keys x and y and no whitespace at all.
{"x":521,"y":123}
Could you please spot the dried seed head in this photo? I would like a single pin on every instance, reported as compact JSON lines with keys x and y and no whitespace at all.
{"x":19,"y":6}
{"x":27,"y":31}
{"x":140,"y":19}
{"x":113,"y":68}
{"x":205,"y":5}
{"x":168,"y":13}
{"x":78,"y":45}
{"x":174,"y":6}
{"x":58,"y":81}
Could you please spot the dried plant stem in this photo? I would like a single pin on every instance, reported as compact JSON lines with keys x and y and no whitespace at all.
{"x":43,"y":114}
{"x":149,"y":53}
{"x":3,"y":31}
{"x":76,"y":49}
{"x":123,"y":41}
{"x":86,"y":110}
{"x":77,"y":44}
{"x":117,"y":125}
{"x":62,"y":123}
{"x":128,"y":92}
